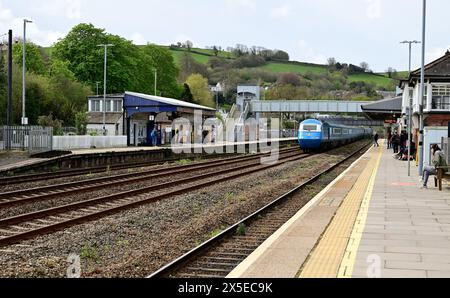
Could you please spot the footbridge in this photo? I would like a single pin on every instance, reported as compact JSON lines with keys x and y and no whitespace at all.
{"x":308,"y":106}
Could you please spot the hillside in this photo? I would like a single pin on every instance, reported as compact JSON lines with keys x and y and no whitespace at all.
{"x":301,"y":68}
{"x":203,"y":55}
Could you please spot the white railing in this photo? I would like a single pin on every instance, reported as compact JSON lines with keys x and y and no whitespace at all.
{"x":88,"y":142}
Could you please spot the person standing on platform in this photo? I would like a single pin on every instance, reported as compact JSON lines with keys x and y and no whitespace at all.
{"x":396,"y":143}
{"x":154,"y":136}
{"x":376,"y":137}
{"x":389,"y":140}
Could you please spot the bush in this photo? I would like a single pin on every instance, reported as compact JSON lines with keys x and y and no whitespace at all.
{"x":249,"y":61}
{"x":81,"y":123}
{"x":48,"y":121}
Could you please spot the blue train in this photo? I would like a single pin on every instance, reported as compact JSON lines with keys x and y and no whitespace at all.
{"x":315,"y":135}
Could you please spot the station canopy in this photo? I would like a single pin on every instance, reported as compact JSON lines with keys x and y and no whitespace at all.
{"x":387,"y":110}
{"x":142,"y":103}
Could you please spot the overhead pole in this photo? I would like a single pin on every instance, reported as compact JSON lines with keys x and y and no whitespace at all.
{"x":9,"y":111}
{"x":105,"y":46}
{"x":422,"y":89}
{"x":410,"y":112}
{"x":9,"y":115}
{"x":24,"y":53}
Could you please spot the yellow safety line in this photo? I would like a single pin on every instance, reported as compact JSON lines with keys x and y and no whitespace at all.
{"x":327,"y":257}
{"x":348,"y":263}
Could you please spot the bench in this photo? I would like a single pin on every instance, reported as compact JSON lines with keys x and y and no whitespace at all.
{"x":443,"y":173}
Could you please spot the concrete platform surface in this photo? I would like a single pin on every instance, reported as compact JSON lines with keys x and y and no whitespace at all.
{"x":134,"y":149}
{"x":372,"y":221}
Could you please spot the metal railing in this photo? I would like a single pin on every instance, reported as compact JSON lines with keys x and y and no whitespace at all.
{"x":34,"y":139}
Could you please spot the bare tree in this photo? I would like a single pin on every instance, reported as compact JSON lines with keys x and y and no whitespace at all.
{"x":364,"y":66}
{"x":189,"y":45}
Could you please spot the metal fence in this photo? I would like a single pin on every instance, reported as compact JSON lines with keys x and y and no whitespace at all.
{"x":34,"y":139}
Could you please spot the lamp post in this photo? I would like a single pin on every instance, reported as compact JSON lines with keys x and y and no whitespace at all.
{"x":24,"y":50}
{"x":104,"y":85}
{"x":422,"y":88}
{"x":410,"y":106}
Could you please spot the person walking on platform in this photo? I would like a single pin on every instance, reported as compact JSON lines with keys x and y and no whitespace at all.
{"x":439,"y":160}
{"x":376,"y":137}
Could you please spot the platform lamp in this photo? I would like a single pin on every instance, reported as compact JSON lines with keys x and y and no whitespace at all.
{"x":422,"y":88}
{"x":24,"y":51}
{"x":410,"y":105}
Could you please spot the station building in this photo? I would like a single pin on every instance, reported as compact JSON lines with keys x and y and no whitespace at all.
{"x":436,"y":103}
{"x":435,"y":107}
{"x":135,"y":115}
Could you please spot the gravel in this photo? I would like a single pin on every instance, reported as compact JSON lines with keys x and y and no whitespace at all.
{"x":137,"y":242}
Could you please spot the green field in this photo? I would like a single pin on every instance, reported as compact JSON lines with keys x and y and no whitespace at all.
{"x":280,"y":67}
{"x":197,"y":57}
{"x":380,"y":81}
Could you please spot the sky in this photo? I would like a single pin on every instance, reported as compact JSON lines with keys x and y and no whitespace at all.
{"x":351,"y":31}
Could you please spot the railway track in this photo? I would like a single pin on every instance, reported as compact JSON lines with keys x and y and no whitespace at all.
{"x":19,"y":197}
{"x":219,"y":256}
{"x":18,"y":228}
{"x":18,"y":179}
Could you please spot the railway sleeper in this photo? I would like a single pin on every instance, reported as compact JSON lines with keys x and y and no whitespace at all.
{"x":215,"y":265}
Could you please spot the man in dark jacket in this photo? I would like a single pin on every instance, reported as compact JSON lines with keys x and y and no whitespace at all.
{"x":376,"y":137}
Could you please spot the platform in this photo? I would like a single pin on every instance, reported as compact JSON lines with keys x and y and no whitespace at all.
{"x":372,"y":221}
{"x":134,"y":149}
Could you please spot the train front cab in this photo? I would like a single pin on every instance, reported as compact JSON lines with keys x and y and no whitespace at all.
{"x":310,"y":135}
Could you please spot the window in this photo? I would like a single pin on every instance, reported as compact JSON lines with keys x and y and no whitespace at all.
{"x":117,"y":106}
{"x":108,"y":106}
{"x":345,"y":131}
{"x":95,"y":106}
{"x":310,"y":128}
{"x":337,"y":131}
{"x":441,"y":97}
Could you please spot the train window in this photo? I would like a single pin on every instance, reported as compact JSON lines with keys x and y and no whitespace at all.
{"x":337,"y":131}
{"x":310,"y":128}
{"x":345,"y":131}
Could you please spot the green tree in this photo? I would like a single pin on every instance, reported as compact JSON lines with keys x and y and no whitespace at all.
{"x":200,"y":91}
{"x":35,"y":61}
{"x":67,"y":96}
{"x":80,"y":49}
{"x":162,"y":60}
{"x":130,"y":68}
{"x":186,"y":95}
{"x":81,"y":122}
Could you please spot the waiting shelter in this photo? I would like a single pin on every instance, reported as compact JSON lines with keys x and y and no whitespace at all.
{"x":143,"y":113}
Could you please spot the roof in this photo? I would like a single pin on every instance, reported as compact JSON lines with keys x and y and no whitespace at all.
{"x":387,"y":109}
{"x":438,"y":68}
{"x":169,"y":101}
{"x":388,"y":106}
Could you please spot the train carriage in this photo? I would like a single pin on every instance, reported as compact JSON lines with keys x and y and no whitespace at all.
{"x":315,"y":135}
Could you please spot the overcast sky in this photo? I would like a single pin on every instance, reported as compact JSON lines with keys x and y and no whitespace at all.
{"x":310,"y":30}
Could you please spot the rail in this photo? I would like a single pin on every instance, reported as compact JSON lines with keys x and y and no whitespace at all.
{"x":178,"y":264}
